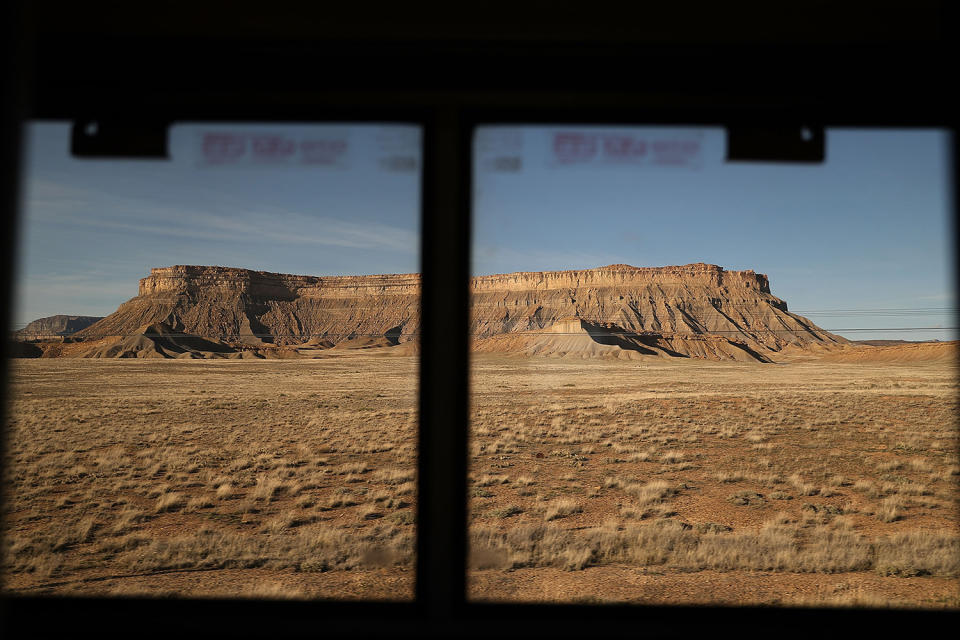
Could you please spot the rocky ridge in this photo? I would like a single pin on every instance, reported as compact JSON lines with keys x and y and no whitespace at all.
{"x":255,"y":307}
{"x":55,"y":326}
{"x":698,"y":310}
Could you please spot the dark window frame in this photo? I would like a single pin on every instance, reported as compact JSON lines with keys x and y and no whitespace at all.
{"x":454,"y":90}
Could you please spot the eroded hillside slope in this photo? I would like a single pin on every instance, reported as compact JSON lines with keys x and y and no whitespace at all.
{"x":697,"y":310}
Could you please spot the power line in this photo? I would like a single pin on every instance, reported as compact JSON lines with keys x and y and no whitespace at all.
{"x":879,"y":309}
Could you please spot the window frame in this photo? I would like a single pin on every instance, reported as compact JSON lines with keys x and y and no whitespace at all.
{"x":448,"y":116}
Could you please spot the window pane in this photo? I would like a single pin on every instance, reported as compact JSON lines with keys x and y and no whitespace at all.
{"x":700,"y":381}
{"x":189,"y":419}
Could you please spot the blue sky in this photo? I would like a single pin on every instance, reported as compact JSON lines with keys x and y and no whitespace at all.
{"x":867,"y":231}
{"x":93,"y":228}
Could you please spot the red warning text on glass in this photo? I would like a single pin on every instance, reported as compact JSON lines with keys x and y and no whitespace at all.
{"x":677,"y":152}
{"x":235,"y":148}
{"x":322,"y":151}
{"x":222,"y":148}
{"x":269,"y":148}
{"x":624,"y":148}
{"x":650,"y":147}
{"x":571,"y":147}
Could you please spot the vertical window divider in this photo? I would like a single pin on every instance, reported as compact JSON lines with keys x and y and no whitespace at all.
{"x":443,"y":392}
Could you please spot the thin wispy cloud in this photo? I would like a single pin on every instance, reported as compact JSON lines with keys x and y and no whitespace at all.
{"x":61,"y":285}
{"x":60,"y":204}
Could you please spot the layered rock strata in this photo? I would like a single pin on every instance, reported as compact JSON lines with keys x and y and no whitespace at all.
{"x":240,"y":305}
{"x":693,"y":299}
{"x":689,"y":309}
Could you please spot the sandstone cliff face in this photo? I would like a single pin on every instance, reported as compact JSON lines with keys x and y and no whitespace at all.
{"x":55,"y":326}
{"x":257,"y":306}
{"x":686,"y":300}
{"x":675,"y":303}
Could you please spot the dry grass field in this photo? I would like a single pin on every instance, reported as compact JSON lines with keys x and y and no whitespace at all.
{"x":289,"y":478}
{"x":692,"y":481}
{"x":806,"y":483}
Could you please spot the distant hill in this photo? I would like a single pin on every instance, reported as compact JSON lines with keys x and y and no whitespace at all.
{"x":695,"y":310}
{"x":55,"y":327}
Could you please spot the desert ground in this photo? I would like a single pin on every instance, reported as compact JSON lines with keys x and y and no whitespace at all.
{"x":809,"y":482}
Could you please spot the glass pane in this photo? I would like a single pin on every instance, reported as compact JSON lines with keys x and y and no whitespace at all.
{"x":698,"y":381}
{"x":189,"y":418}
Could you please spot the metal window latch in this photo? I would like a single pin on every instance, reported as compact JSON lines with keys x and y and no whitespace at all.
{"x":119,"y":138}
{"x":800,"y":143}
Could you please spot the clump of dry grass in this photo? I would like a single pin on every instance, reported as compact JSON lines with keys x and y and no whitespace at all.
{"x":633,"y":512}
{"x":867,"y":487}
{"x":395,"y":476}
{"x":507,"y":511}
{"x":159,"y":490}
{"x":273,"y":591}
{"x":370,"y":512}
{"x":838,"y":481}
{"x":352,"y":468}
{"x":561,"y":508}
{"x":843,"y":596}
{"x":673,"y":457}
{"x":305,"y":502}
{"x":226,"y":491}
{"x":288,"y":520}
{"x":38,"y":560}
{"x":122,"y":543}
{"x":919,"y":553}
{"x":341,"y":497}
{"x":81,"y":532}
{"x":651,"y":492}
{"x":169,"y":502}
{"x":803,"y":488}
{"x":487,"y":480}
{"x":744,"y":498}
{"x":322,"y":550}
{"x":891,"y":509}
{"x":776,"y":546}
{"x":200,"y":502}
{"x":126,"y":519}
{"x":267,"y":488}
{"x":731,"y":476}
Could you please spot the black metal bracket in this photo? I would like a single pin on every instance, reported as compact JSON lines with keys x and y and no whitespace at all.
{"x":801,"y":143}
{"x":119,"y":138}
